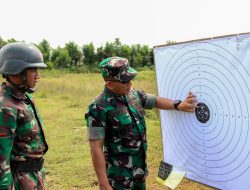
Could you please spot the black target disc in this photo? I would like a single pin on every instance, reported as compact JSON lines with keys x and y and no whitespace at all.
{"x":202,"y":112}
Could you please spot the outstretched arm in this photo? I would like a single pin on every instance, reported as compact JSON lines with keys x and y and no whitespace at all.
{"x":187,"y":105}
{"x":98,"y":160}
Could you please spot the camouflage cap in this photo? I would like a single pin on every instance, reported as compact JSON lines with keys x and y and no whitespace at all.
{"x":117,"y":69}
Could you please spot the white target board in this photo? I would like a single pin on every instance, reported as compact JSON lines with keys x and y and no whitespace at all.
{"x":211,"y":145}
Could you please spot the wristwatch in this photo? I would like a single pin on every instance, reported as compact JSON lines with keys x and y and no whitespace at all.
{"x":176,"y":104}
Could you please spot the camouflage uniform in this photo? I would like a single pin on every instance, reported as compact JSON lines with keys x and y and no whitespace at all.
{"x":21,"y":138}
{"x":120,"y":121}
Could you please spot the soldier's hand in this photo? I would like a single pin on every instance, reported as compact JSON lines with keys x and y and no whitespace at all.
{"x":189,"y":104}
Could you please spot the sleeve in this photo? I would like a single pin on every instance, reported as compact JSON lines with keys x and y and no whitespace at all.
{"x":7,"y":128}
{"x":148,"y":100}
{"x":96,"y":122}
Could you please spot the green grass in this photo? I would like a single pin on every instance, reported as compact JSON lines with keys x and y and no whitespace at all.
{"x":62,"y":99}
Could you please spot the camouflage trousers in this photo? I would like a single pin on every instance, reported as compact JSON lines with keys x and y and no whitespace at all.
{"x":28,"y":180}
{"x":128,"y":184}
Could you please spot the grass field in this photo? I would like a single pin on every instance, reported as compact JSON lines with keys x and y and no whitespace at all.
{"x":62,"y":99}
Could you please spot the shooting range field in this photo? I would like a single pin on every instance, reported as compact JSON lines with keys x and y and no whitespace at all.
{"x":62,"y":99}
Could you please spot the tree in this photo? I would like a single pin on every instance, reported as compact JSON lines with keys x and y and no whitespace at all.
{"x":125,"y":51}
{"x":145,"y":53}
{"x":117,"y":47}
{"x":74,"y":53}
{"x":108,"y":49}
{"x":2,"y":42}
{"x":136,"y":57}
{"x":11,"y":40}
{"x":60,"y":57}
{"x":100,"y":55}
{"x":89,"y":54}
{"x":45,"y":48}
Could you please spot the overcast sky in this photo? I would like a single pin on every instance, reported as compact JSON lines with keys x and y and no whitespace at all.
{"x":150,"y":22}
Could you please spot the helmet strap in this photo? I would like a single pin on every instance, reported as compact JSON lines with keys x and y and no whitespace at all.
{"x":16,"y":86}
{"x":24,"y":86}
{"x":25,"y":82}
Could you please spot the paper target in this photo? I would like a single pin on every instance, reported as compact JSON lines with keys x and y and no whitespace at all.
{"x":213,"y":144}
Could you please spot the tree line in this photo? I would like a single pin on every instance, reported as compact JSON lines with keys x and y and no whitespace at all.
{"x":87,"y":57}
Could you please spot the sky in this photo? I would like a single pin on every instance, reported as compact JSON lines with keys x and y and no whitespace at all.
{"x":146,"y":22}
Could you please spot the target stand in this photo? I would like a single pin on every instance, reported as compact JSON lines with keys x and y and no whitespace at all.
{"x":211,"y":145}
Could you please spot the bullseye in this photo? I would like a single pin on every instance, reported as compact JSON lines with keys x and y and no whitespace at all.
{"x":202,"y":112}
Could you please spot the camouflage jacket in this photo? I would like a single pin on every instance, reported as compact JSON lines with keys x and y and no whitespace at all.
{"x":21,"y":133}
{"x":120,"y":121}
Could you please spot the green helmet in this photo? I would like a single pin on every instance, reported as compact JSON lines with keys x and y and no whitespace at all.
{"x":16,"y":57}
{"x":117,"y":69}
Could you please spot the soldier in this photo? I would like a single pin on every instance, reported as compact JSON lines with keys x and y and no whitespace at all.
{"x":116,"y":121}
{"x":22,"y":140}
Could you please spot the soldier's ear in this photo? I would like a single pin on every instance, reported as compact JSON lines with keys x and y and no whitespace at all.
{"x":109,"y":84}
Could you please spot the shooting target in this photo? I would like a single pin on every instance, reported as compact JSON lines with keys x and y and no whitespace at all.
{"x":213,"y":144}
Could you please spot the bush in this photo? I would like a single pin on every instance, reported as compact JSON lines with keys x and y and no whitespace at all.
{"x":50,"y":65}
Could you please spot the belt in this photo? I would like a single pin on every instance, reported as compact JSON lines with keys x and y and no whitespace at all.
{"x":30,"y":165}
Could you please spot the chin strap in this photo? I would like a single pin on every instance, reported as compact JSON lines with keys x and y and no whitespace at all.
{"x":30,"y":90}
{"x":23,"y":87}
